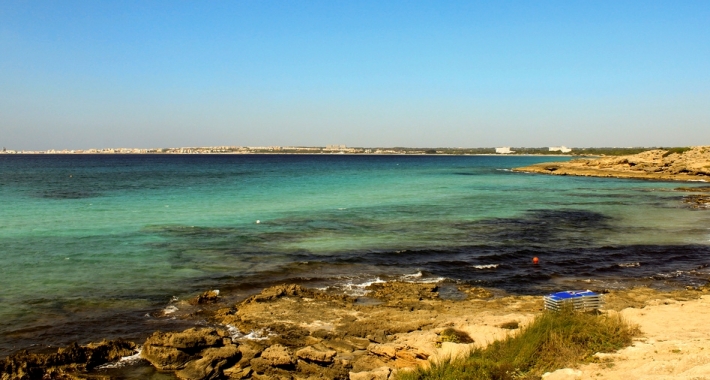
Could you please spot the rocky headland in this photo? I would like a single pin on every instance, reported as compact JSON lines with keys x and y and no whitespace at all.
{"x":691,"y":164}
{"x":293,"y":332}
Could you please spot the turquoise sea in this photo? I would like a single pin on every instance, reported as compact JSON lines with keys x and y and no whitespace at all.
{"x":91,"y":246}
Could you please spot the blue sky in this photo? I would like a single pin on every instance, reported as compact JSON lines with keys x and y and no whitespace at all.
{"x":81,"y":74}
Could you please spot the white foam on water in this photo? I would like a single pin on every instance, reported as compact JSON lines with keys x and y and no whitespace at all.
{"x":258,"y":335}
{"x":697,"y":180}
{"x":169,"y":310}
{"x":674,"y":274}
{"x":419,"y":278}
{"x":359,"y":289}
{"x":629,"y":265}
{"x":412,"y":276}
{"x":432,"y":280}
{"x":235,"y":334}
{"x":124,"y":361}
{"x":486,"y":266}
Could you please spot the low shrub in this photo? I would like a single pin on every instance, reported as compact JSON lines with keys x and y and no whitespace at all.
{"x":676,"y":150}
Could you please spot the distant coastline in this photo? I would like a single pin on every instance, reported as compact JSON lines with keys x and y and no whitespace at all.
{"x":342,"y":149}
{"x":678,"y":164}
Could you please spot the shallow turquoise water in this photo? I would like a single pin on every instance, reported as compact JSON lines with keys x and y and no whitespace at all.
{"x":85,"y":238}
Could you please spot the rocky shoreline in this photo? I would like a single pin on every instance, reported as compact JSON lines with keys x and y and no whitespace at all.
{"x":292,"y":332}
{"x":658,"y":164}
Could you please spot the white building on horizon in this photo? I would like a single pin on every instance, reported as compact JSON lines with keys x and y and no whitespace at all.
{"x":504,"y":150}
{"x":561,"y":148}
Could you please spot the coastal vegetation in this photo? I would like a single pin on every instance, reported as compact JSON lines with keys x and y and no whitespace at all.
{"x":553,"y":340}
{"x":670,"y":151}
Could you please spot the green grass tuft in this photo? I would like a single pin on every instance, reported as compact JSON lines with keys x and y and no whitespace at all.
{"x":553,"y":340}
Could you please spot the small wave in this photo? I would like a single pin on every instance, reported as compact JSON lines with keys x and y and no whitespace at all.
{"x":697,"y":180}
{"x":124,"y":361}
{"x":360,"y":289}
{"x":412,"y":276}
{"x":355,"y":289}
{"x":432,"y":280}
{"x":504,"y":170}
{"x":486,"y":266}
{"x":674,"y":274}
{"x":169,"y":310}
{"x":629,"y":265}
{"x":419,"y":278}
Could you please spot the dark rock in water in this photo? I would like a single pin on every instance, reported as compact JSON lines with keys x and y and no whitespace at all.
{"x":65,"y":362}
{"x":210,"y":296}
{"x":173,"y":350}
{"x":697,"y":201}
{"x":699,"y":189}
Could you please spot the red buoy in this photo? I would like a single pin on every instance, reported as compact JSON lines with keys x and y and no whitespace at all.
{"x":535,"y":260}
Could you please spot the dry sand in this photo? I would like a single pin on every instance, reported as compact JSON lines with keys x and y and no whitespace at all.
{"x":675,"y":343}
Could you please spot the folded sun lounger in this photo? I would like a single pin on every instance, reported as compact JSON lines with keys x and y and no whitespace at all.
{"x":579,"y":299}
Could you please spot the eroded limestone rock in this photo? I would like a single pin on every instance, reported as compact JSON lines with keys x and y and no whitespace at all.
{"x":65,"y":362}
{"x":212,"y":363}
{"x":277,"y":356}
{"x":173,"y":350}
{"x":317,"y":356}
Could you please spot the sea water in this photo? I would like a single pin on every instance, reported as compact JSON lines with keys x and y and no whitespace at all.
{"x":92,"y":245}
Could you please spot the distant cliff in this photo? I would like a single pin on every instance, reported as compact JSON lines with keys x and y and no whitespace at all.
{"x":691,"y":164}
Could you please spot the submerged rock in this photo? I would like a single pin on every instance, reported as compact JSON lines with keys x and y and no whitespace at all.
{"x":697,"y":201}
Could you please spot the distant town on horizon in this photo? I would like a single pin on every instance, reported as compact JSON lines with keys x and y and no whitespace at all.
{"x":343,"y":149}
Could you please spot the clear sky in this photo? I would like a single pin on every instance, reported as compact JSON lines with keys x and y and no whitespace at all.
{"x":82,"y":74}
